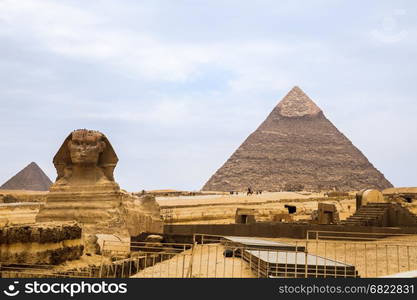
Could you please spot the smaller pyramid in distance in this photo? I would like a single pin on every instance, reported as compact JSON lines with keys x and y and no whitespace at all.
{"x":30,"y":178}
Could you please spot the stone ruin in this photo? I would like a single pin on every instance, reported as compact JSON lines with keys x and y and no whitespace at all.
{"x":401,"y":194}
{"x":245,"y":216}
{"x":373,"y":209}
{"x":326,"y":213}
{"x":282,"y":217}
{"x":365,"y":196}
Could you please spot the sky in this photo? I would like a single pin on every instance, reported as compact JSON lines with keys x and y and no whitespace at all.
{"x":177,"y":86}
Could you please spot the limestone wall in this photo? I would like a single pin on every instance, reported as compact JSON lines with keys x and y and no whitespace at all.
{"x":273,"y":230}
{"x":141,"y":214}
{"x":14,"y":196}
{"x":18,"y":213}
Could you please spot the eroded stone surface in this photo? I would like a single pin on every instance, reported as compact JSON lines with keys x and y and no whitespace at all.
{"x":44,"y":243}
{"x":297,"y":104}
{"x":142,"y":214}
{"x":85,"y":190}
{"x":86,"y":158}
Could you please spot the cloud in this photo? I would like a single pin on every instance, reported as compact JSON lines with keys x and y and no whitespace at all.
{"x":390,"y":30}
{"x":161,"y":112}
{"x":196,"y":77}
{"x":83,"y":35}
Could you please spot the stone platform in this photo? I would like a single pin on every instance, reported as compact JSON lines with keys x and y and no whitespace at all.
{"x":86,"y":205}
{"x":105,"y":212}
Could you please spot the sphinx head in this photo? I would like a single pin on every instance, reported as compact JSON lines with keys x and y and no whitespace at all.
{"x":85,"y":153}
{"x":85,"y":146}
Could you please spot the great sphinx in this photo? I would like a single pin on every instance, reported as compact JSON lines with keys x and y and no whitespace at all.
{"x":85,"y":190}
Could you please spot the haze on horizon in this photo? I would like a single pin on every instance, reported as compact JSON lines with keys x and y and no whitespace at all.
{"x":178,"y":86}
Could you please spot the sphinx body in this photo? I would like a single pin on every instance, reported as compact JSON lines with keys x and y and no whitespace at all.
{"x":85,"y":190}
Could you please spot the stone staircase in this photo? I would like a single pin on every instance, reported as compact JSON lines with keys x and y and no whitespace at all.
{"x":372,"y":214}
{"x":382,"y":214}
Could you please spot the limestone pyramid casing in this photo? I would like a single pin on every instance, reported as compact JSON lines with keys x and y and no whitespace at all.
{"x":296,"y":145}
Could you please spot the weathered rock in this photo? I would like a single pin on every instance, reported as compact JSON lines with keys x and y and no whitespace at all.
{"x":245,"y":216}
{"x":19,"y":196}
{"x":365,"y":196}
{"x":382,"y":214}
{"x":326,"y":214}
{"x":401,"y":194}
{"x":296,"y":146}
{"x":108,"y":243}
{"x":281,"y":217}
{"x":91,"y":245}
{"x":142,"y":214}
{"x":40,"y":233}
{"x":44,"y":243}
{"x":19,"y":213}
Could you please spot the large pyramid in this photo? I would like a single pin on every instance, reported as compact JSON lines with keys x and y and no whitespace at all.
{"x":296,"y":146}
{"x":30,"y":178}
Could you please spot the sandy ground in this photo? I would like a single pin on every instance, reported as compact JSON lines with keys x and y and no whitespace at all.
{"x":241,"y":198}
{"x":384,"y":257}
{"x":212,"y":209}
{"x":371,"y":258}
{"x":208,"y":262}
{"x":221,"y":209}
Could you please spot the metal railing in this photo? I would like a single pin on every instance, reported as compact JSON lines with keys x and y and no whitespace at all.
{"x":211,"y":256}
{"x":357,"y":236}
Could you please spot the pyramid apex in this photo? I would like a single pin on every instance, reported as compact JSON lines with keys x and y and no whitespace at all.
{"x":297,"y":104}
{"x":32,"y":166}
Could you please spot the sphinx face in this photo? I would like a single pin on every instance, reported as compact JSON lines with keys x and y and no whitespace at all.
{"x":85,"y":147}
